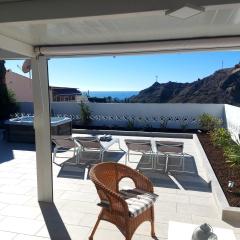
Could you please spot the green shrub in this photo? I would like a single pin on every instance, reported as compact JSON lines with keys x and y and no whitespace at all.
{"x":130,"y":124}
{"x":8,"y":103}
{"x":221,"y":137}
{"x":208,"y":122}
{"x":85,"y":113}
{"x":232,"y":154}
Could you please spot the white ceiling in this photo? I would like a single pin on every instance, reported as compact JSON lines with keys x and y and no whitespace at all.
{"x":10,"y":55}
{"x":145,"y":26}
{"x":60,"y":22}
{"x":8,"y":1}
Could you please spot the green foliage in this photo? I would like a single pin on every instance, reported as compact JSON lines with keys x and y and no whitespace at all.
{"x":8,"y":103}
{"x":232,"y":154}
{"x":2,"y":72}
{"x":85,"y":113}
{"x":130,"y":124}
{"x":209,"y":123}
{"x":221,"y":137}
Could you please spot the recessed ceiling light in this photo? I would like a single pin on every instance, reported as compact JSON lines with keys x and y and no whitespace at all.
{"x":185,"y":12}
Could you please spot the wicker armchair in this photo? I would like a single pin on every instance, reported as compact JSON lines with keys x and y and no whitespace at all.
{"x":115,"y":206}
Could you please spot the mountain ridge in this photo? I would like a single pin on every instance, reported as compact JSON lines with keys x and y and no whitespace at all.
{"x":223,"y":86}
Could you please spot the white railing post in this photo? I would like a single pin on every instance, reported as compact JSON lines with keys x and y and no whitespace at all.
{"x":42,"y":129}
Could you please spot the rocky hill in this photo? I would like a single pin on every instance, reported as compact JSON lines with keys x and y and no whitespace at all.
{"x":223,"y":86}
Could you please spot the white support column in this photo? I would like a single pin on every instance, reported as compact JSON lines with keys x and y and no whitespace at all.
{"x":42,"y":129}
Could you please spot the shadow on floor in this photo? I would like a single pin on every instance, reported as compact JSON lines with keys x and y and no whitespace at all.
{"x":193,"y":182}
{"x":74,"y":171}
{"x":111,"y":156}
{"x":175,"y":163}
{"x":160,"y":179}
{"x":53,"y":221}
{"x":7,"y":148}
{"x":69,"y":168}
{"x":176,"y":176}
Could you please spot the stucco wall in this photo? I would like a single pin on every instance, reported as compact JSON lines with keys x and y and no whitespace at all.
{"x":142,"y":114}
{"x":232,"y":115}
{"x":20,"y":85}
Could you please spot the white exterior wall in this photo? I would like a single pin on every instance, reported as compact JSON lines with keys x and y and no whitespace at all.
{"x":232,"y":115}
{"x":142,"y":114}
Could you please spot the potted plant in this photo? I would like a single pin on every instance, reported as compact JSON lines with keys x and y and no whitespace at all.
{"x":85,"y":114}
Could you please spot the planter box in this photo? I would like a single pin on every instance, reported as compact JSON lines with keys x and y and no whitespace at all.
{"x":228,"y":214}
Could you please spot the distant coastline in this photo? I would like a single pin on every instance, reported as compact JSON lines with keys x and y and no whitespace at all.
{"x":121,"y":95}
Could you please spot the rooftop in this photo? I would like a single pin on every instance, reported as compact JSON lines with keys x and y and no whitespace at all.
{"x":65,"y":91}
{"x":182,"y":197}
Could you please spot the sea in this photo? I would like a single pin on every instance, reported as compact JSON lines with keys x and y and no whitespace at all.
{"x":121,"y":95}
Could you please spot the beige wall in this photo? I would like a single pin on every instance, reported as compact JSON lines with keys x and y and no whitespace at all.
{"x":20,"y":85}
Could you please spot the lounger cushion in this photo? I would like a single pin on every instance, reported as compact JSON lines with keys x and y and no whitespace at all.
{"x":138,"y":200}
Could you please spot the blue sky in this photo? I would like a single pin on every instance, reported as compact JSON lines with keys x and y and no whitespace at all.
{"x":133,"y":73}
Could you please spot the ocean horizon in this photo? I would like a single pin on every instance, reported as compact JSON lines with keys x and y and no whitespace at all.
{"x":121,"y":95}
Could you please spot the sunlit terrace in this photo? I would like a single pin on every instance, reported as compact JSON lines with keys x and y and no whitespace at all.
{"x":185,"y":199}
{"x":38,"y":203}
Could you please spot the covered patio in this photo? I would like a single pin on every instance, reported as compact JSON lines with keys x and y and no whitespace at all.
{"x":32,"y":192}
{"x":183,"y":198}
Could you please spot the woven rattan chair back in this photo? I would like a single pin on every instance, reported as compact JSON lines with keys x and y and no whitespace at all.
{"x":105,"y":175}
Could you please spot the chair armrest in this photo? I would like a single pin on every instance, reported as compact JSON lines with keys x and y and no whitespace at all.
{"x":112,"y":201}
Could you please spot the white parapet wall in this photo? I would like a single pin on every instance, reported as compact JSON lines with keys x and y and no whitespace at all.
{"x":166,"y":115}
{"x":232,"y":118}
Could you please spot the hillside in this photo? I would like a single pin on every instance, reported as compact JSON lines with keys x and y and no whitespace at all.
{"x":223,"y":86}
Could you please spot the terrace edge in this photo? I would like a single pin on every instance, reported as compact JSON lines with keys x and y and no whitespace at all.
{"x":133,"y":133}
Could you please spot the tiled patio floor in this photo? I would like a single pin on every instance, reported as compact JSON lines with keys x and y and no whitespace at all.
{"x":182,"y":198}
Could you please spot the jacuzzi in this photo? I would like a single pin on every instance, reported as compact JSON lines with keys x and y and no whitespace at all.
{"x":21,"y":129}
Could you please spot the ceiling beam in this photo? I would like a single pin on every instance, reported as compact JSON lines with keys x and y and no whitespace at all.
{"x":14,"y":46}
{"x":30,"y":10}
{"x":183,"y":45}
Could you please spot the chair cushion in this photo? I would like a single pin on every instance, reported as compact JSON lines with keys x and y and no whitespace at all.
{"x":138,"y":200}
